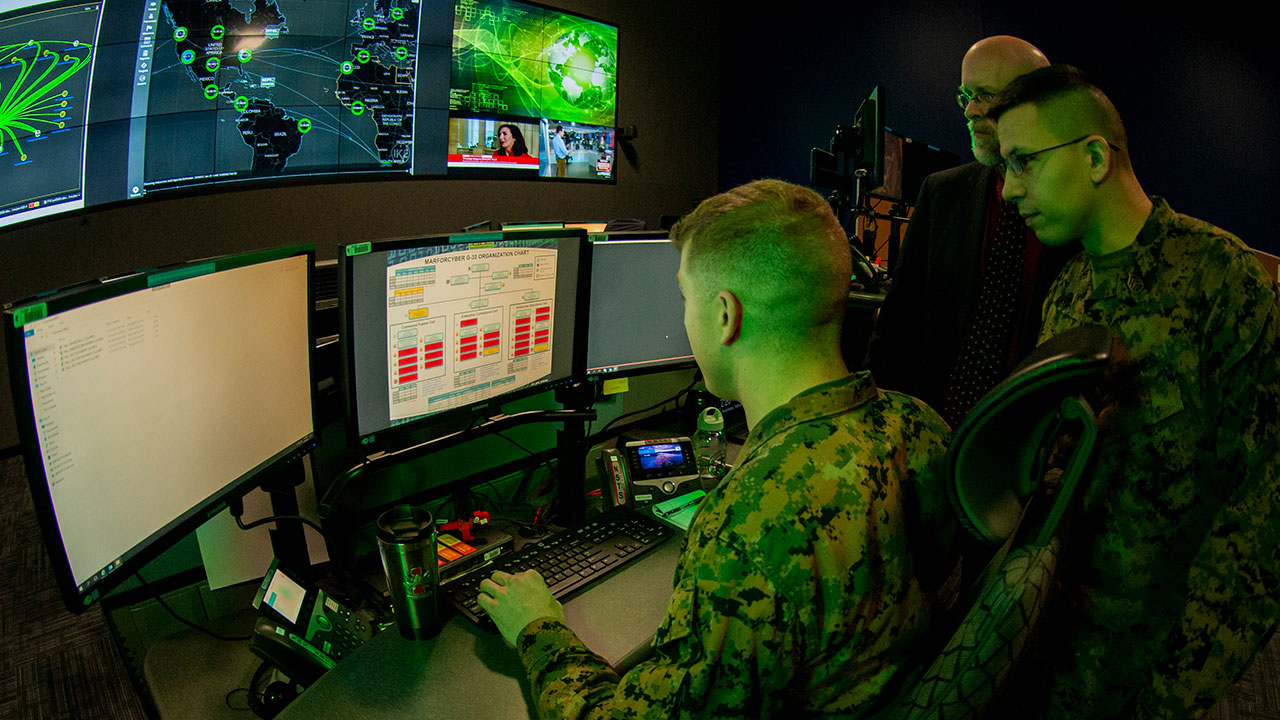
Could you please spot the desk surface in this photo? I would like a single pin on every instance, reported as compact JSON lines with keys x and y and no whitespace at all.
{"x":467,"y":669}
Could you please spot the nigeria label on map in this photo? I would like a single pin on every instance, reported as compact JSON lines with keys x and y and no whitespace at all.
{"x":281,"y":86}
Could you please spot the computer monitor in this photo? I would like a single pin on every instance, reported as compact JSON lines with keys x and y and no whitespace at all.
{"x":146,"y":402}
{"x":869,"y":155}
{"x":636,"y":321}
{"x":435,"y":329}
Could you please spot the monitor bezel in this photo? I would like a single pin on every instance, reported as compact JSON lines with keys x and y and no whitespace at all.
{"x":460,"y":418}
{"x":635,"y":371}
{"x":80,"y":295}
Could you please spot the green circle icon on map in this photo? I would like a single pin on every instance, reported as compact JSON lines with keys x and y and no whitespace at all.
{"x":212,"y":64}
{"x":242,"y":103}
{"x":357,"y":108}
{"x":245,"y":55}
{"x":210,"y":91}
{"x":304,"y":125}
{"x":402,"y":53}
{"x":179,"y":33}
{"x":363,"y":56}
{"x":397,"y":13}
{"x":348,"y":67}
{"x":369,"y":24}
{"x":217,"y":32}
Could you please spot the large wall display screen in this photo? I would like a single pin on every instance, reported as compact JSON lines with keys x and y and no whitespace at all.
{"x":108,"y":101}
{"x":45,"y":58}
{"x":532,"y":89}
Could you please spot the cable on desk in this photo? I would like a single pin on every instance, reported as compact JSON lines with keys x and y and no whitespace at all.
{"x":697,"y":377}
{"x":184,"y":621}
{"x":526,"y":450}
{"x":296,"y":518}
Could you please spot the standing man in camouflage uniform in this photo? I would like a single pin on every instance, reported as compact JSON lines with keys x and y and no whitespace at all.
{"x":797,"y":593}
{"x":1172,"y":578}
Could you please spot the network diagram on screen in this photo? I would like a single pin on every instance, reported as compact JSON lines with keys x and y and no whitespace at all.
{"x":105,"y":102}
{"x":487,"y":326}
{"x":291,"y":100}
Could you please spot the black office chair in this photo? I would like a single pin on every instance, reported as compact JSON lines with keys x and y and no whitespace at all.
{"x":1018,"y":465}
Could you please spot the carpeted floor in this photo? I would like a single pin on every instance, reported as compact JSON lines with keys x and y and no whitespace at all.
{"x":57,"y":665}
{"x":52,"y":664}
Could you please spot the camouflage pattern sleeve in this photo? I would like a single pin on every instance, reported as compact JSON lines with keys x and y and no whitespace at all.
{"x":724,"y":650}
{"x":797,"y":591}
{"x":1172,"y":583}
{"x":1234,"y":579}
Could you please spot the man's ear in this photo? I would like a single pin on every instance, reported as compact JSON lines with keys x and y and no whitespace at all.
{"x":1102,"y":159}
{"x":729,"y":316}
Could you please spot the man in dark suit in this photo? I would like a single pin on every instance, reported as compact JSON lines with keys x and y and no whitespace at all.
{"x":965,"y":302}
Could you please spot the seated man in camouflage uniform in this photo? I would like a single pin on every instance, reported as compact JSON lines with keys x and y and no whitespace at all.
{"x":798,"y":592}
{"x":1172,"y":579}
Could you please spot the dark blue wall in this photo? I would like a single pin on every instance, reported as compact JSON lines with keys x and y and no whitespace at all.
{"x":1196,"y":88}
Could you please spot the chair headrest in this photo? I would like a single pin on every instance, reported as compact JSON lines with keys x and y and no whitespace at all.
{"x":993,"y":451}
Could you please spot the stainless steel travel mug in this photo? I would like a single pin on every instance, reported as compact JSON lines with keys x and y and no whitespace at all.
{"x":407,"y":543}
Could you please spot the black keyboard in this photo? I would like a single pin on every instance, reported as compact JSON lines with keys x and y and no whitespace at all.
{"x":569,"y":560}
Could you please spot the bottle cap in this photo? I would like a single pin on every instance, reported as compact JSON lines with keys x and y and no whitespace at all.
{"x":711,"y":420}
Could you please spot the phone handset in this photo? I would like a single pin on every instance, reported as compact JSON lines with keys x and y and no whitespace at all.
{"x":864,"y":272}
{"x":613,"y":471}
{"x":303,"y":630}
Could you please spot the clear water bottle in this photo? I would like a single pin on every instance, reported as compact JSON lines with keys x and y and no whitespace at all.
{"x":709,"y":447}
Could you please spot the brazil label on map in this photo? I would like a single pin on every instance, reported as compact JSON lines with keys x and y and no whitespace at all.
{"x":274,"y":87}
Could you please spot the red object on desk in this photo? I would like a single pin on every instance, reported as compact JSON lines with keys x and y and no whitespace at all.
{"x":479,"y":517}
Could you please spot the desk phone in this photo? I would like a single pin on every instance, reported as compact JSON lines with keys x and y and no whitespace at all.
{"x":303,"y":631}
{"x":642,"y":471}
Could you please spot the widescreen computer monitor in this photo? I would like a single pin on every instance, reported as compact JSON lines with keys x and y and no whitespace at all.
{"x":434,"y":329}
{"x":146,"y":402}
{"x":637,"y":317}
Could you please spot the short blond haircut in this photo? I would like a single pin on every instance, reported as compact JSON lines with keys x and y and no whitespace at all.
{"x":778,"y":247}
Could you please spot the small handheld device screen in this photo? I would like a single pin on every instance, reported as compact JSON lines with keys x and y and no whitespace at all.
{"x":659,"y":456}
{"x":285,"y":596}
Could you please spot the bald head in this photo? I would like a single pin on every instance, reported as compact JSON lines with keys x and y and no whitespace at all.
{"x":989,"y":65}
{"x":1003,"y":56}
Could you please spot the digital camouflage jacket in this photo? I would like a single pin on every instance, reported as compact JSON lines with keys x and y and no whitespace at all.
{"x":797,"y":591}
{"x":1172,"y":582}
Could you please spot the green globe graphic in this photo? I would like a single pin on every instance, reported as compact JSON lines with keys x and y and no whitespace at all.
{"x":583,"y":69}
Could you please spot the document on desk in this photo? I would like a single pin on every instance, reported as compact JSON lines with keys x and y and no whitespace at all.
{"x":679,"y":511}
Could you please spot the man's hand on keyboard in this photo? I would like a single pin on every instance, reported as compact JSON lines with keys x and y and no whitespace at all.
{"x":514,"y":601}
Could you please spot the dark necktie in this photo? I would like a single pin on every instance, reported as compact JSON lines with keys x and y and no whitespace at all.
{"x":981,"y":362}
